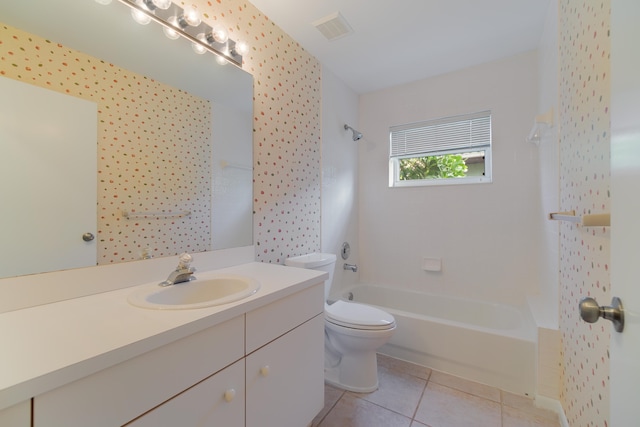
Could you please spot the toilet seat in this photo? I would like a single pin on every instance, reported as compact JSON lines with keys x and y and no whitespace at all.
{"x":358,"y":316}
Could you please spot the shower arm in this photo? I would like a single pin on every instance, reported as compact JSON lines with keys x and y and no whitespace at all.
{"x":356,"y":134}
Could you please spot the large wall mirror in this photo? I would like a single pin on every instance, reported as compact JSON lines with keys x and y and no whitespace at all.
{"x":171,"y":166}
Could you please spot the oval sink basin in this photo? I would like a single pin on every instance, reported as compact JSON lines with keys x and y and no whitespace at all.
{"x":198,"y":293}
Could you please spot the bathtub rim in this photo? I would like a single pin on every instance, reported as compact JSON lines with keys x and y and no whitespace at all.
{"x":520,"y":379}
{"x":527,"y":331}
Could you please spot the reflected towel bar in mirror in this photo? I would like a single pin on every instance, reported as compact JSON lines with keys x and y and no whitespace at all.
{"x":224,"y":164}
{"x":155,"y":215}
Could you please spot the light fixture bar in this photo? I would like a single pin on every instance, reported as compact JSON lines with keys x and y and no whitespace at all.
{"x":225,"y":50}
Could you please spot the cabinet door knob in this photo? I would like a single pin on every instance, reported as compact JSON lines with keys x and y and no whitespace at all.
{"x":264,"y":371}
{"x":229,"y":394}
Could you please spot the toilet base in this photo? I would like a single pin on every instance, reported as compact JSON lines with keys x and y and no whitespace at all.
{"x":357,"y":373}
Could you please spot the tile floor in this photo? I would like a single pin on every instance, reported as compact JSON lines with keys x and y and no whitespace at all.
{"x":414,"y":396}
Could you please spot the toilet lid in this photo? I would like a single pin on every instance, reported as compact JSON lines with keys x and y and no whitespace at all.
{"x":358,"y":316}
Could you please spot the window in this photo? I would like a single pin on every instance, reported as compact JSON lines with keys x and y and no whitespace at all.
{"x":451,"y":150}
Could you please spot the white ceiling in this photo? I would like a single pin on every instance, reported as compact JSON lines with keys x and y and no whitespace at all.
{"x":399,"y":41}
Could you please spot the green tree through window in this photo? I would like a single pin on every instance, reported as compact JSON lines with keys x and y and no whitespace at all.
{"x":429,"y":167}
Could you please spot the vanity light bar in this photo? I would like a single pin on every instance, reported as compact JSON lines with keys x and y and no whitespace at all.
{"x":199,"y":35}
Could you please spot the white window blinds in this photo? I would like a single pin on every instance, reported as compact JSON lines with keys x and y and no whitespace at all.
{"x":470,"y":132}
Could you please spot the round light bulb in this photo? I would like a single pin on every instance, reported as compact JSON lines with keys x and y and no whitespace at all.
{"x":221,"y":60}
{"x":140,"y":17}
{"x":198,"y":48}
{"x":191,"y":16}
{"x":241,"y":48}
{"x":170,"y":32}
{"x":220,"y":35}
{"x":162,"y":4}
{"x":104,"y":2}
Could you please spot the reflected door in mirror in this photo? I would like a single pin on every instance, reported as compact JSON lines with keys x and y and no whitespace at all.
{"x":48,"y":149}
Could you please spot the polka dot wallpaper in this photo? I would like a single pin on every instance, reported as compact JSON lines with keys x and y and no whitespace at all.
{"x":584,"y":186}
{"x":154,"y":147}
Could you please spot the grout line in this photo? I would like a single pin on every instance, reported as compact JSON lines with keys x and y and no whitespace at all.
{"x":357,"y":396}
{"x":415,"y":411}
{"x":332,"y":407}
{"x":501,"y":408}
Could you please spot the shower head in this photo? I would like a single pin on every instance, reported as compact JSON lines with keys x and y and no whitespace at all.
{"x":356,"y":135}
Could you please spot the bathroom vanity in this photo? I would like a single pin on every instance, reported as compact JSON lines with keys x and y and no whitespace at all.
{"x":97,"y":360}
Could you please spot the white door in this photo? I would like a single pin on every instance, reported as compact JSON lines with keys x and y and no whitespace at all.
{"x":625,"y":210}
{"x":48,"y":187}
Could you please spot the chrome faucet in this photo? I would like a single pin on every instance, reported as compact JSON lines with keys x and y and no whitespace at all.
{"x":351,"y":267}
{"x":182,"y":273}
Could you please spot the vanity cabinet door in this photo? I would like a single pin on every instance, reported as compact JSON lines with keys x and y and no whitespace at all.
{"x":217,"y":401}
{"x":17,"y":415}
{"x":285,"y":378}
{"x":267,"y":323}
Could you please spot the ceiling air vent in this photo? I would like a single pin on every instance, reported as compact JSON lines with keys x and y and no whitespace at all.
{"x":333,"y":26}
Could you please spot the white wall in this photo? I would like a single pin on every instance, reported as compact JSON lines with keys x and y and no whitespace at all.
{"x":545,"y":303}
{"x":232,"y":183}
{"x":339,"y":175}
{"x":486,"y":234}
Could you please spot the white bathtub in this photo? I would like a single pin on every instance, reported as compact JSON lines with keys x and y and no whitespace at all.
{"x":489,"y":343}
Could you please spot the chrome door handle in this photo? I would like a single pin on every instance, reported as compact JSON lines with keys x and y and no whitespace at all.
{"x":590,"y":312}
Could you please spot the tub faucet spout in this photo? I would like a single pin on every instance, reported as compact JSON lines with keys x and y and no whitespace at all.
{"x":182,"y":273}
{"x":351,"y":267}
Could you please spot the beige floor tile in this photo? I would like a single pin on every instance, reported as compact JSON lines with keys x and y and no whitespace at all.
{"x":512,"y":417}
{"x":477,"y":389}
{"x":446,"y":401}
{"x":442,"y":406}
{"x":351,"y":411}
{"x":401,"y":366}
{"x":526,"y":404}
{"x":397,"y":391}
{"x":331,"y":397}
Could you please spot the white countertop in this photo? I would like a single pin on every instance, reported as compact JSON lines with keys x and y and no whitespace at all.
{"x":47,"y":346}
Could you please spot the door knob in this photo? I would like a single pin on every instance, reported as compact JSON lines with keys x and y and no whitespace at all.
{"x":590,"y":312}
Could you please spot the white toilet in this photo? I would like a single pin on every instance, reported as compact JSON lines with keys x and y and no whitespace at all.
{"x":353,"y":333}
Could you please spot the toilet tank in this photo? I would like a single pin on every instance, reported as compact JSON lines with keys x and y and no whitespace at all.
{"x":316,"y":261}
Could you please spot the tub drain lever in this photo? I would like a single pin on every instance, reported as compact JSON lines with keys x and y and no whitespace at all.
{"x":590,"y":312}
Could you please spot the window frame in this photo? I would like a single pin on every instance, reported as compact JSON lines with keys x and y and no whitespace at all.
{"x":394,"y":167}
